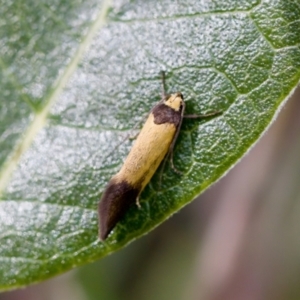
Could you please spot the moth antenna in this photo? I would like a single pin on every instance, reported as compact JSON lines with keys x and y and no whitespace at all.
{"x":163,"y":80}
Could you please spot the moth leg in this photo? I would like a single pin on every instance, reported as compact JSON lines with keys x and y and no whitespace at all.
{"x":170,"y":152}
{"x":133,"y":137}
{"x":169,"y":155}
{"x":162,"y":169}
{"x":194,"y":116}
{"x":137,"y":202}
{"x":172,"y":164}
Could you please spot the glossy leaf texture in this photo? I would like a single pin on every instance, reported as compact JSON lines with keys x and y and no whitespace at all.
{"x":77,"y":76}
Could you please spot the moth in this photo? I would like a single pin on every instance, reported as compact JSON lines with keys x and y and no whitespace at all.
{"x":155,"y":142}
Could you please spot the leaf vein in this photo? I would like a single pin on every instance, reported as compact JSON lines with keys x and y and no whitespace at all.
{"x":39,"y":121}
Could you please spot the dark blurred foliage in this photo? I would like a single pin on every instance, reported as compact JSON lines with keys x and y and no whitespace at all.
{"x":239,"y":241}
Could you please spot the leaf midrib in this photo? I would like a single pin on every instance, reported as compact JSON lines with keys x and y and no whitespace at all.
{"x":40,"y":117}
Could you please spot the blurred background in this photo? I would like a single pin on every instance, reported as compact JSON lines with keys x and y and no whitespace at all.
{"x":240,"y":240}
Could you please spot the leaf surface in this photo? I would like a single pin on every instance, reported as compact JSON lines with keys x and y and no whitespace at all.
{"x":77,"y":76}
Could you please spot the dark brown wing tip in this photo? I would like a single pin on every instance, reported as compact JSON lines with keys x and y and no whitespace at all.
{"x":105,"y":221}
{"x":115,"y":201}
{"x":103,"y":228}
{"x":103,"y":233}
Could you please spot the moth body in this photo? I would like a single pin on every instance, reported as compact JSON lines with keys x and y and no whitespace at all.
{"x":154,"y":141}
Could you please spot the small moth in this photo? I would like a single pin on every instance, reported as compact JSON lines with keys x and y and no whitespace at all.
{"x":155,"y":141}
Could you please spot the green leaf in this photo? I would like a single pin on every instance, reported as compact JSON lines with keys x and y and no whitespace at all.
{"x":77,"y":76}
